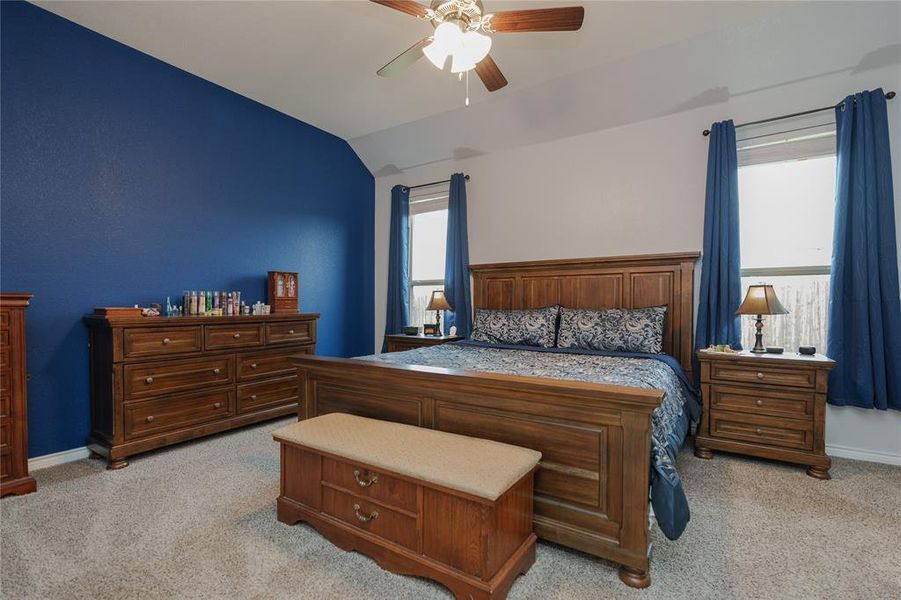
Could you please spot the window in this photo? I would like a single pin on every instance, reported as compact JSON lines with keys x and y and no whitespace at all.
{"x":428,"y":242}
{"x":786,"y":198}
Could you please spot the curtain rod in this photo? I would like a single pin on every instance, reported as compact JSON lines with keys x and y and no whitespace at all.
{"x":706,"y":132}
{"x":422,"y":185}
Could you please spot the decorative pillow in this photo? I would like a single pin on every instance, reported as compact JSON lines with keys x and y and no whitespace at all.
{"x":616,"y":329}
{"x":534,"y":327}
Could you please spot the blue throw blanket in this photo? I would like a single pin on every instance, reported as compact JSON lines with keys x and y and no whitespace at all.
{"x":670,"y":421}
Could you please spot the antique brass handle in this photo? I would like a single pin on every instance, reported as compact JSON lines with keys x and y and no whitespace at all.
{"x":216,"y":371}
{"x":253,"y":396}
{"x":148,"y":380}
{"x":365,"y":518}
{"x":149,"y":419}
{"x":253,"y":365}
{"x":217,"y":405}
{"x":760,"y":376}
{"x":759,"y":402}
{"x":167,"y":341}
{"x":237,"y":336}
{"x":371,"y":478}
{"x":759,"y":431}
{"x":291,"y":332}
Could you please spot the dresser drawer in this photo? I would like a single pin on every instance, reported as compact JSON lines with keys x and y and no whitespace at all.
{"x":4,"y":319}
{"x":269,"y":364}
{"x":5,"y":435}
{"x":4,"y":357}
{"x":266,"y":394}
{"x":232,"y":336}
{"x":5,"y":403}
{"x":6,"y":382}
{"x":6,"y":464}
{"x":147,"y":417}
{"x":152,"y":379}
{"x":290,"y":332}
{"x":785,"y":433}
{"x":762,"y":401}
{"x":370,"y":484}
{"x":158,"y":341}
{"x":763,"y":375}
{"x":368,"y":516}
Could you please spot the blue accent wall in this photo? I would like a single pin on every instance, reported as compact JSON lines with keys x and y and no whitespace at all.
{"x":124,"y":179}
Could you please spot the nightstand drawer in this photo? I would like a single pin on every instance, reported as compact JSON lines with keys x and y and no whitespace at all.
{"x":756,"y":429}
{"x":762,"y":374}
{"x":762,"y":401}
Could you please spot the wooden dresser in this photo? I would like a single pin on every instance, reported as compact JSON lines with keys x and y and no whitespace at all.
{"x":14,"y":478}
{"x":157,"y":381}
{"x":400,"y":342}
{"x":767,"y":405}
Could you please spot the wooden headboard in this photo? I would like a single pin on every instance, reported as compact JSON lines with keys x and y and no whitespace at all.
{"x":595,"y":283}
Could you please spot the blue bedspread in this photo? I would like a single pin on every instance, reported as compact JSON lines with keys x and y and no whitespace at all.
{"x":670,"y":421}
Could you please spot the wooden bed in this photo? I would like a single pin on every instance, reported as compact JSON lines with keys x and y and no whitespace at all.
{"x":591,"y":488}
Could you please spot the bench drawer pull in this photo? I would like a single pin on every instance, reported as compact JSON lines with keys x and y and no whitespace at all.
{"x":148,"y":380}
{"x":167,"y":341}
{"x":759,"y":402}
{"x":290,"y":332}
{"x":759,"y":375}
{"x":365,"y":518}
{"x":253,"y":365}
{"x":237,"y":336}
{"x":372,"y":478}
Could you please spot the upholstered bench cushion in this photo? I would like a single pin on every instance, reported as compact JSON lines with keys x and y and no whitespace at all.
{"x":479,"y":467}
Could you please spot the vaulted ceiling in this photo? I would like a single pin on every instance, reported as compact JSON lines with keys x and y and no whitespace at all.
{"x":316,"y":61}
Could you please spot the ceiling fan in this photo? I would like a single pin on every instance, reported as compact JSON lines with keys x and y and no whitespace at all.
{"x":460,"y":34}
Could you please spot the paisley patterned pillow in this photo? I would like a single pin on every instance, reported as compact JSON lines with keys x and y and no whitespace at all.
{"x":534,"y":327}
{"x":616,"y":329}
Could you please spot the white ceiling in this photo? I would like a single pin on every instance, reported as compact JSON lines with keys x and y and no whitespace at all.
{"x":316,"y":61}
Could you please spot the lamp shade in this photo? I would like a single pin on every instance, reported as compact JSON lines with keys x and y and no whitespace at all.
{"x":761,"y":300}
{"x":439,"y":301}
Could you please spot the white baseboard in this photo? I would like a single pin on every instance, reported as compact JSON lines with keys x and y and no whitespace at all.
{"x":867,"y":455}
{"x":57,"y":458}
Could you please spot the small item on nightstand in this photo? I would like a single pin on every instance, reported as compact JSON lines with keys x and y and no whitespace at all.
{"x":807,"y":350}
{"x":429,"y":329}
{"x":411,"y":330}
{"x":774,"y":350}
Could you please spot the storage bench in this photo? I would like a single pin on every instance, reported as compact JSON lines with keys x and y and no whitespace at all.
{"x":451,"y":508}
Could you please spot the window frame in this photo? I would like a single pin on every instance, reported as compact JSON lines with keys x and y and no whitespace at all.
{"x":432,"y":198}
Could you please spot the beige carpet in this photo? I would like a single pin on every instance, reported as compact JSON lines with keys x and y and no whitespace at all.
{"x":198,"y":521}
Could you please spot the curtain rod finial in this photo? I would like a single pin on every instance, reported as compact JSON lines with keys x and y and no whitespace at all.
{"x":705,"y":133}
{"x":890,"y":95}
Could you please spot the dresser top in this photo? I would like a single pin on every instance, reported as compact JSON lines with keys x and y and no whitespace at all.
{"x":105,"y":321}
{"x":784,"y":359}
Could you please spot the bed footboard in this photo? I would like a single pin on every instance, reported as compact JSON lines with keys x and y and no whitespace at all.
{"x":591,"y":488}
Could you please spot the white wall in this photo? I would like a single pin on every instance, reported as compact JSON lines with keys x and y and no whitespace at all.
{"x":634,"y":189}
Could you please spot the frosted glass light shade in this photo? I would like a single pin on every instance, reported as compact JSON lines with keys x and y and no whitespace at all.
{"x":448,"y":39}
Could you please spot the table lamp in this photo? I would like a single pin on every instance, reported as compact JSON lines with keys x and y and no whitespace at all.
{"x":438,"y":302}
{"x":760,"y":300}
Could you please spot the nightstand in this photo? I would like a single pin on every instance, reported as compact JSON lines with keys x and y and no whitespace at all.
{"x":765,"y":405}
{"x":400,"y":342}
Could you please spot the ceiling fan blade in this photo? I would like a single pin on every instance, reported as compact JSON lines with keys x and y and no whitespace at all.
{"x":407,"y":6}
{"x":490,"y":75}
{"x":404,"y":59}
{"x":540,"y":19}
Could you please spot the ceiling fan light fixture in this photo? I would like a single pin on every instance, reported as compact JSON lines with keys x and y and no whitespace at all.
{"x":473,"y":49}
{"x":447,"y":41}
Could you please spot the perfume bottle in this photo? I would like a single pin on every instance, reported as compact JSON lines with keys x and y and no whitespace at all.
{"x":168,"y":307}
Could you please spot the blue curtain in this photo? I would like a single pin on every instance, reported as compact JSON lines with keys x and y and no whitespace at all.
{"x":456,"y":260}
{"x":398,"y":311}
{"x":864,"y":332}
{"x":720,"y":293}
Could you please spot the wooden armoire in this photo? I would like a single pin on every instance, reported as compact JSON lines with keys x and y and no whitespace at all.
{"x":14,"y":478}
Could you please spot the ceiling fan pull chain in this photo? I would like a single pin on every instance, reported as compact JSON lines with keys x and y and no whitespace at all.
{"x":467,"y":88}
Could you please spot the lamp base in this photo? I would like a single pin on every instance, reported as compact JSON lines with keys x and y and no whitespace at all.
{"x":759,"y":348}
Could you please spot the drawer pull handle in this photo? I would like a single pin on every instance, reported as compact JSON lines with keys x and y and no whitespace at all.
{"x":760,"y":376}
{"x":759,"y":402}
{"x":217,"y":405}
{"x":371,"y":478}
{"x":237,"y":336}
{"x":365,"y":518}
{"x":758,"y":431}
{"x":216,"y":371}
{"x":149,"y":419}
{"x":253,"y":365}
{"x":253,"y":396}
{"x":167,"y":341}
{"x":148,"y":380}
{"x":290,"y":332}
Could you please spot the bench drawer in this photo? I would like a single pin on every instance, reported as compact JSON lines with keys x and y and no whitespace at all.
{"x":147,"y":417}
{"x":785,"y":433}
{"x":217,"y":337}
{"x":763,"y":375}
{"x":269,"y":364}
{"x":297,"y":332}
{"x":152,"y":379}
{"x":159,"y":341}
{"x":266,"y":394}
{"x":368,"y":516}
{"x":762,"y":401}
{"x":370,"y":484}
